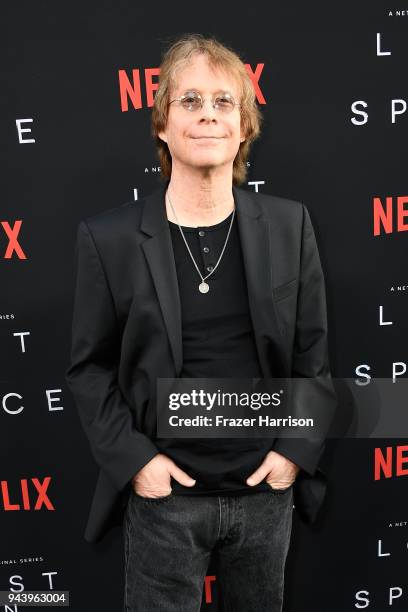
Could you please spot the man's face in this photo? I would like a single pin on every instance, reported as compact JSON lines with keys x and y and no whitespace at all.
{"x":206,"y":137}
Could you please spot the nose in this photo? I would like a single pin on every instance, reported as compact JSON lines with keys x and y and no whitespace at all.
{"x":207,"y":110}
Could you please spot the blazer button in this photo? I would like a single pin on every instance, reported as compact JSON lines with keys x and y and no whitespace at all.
{"x":206,"y":250}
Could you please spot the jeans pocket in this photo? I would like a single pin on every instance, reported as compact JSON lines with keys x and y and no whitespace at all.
{"x":281,"y":491}
{"x":152,"y":500}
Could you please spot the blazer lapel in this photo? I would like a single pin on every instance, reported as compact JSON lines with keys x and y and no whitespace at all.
{"x":158,"y":250}
{"x":255,"y":236}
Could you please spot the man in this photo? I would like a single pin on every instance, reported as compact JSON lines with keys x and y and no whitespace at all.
{"x":199,"y":280}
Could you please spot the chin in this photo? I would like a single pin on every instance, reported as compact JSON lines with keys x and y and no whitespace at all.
{"x":209,"y":156}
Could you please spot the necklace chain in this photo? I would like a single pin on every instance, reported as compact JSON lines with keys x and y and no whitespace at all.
{"x":203,"y":287}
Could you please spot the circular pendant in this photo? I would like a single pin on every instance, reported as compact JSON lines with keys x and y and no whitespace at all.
{"x":204,"y":287}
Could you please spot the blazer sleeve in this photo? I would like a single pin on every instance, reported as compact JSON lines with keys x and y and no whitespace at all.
{"x":118,"y":447}
{"x":310,"y":357}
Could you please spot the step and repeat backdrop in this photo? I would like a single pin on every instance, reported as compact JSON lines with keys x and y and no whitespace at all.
{"x":78,"y":84}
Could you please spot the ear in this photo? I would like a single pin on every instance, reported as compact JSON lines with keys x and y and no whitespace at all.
{"x":162,"y":136}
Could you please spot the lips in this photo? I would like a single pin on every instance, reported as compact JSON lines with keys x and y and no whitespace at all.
{"x":200,"y":137}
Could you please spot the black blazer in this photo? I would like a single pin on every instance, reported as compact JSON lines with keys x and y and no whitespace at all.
{"x":126,"y":332}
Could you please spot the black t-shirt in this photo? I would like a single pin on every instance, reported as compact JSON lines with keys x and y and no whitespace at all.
{"x":218,"y":342}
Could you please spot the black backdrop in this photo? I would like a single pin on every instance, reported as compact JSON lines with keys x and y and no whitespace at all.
{"x":60,"y":66}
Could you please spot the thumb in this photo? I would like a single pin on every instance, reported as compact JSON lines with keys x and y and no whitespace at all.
{"x":182,"y":477}
{"x":258,"y":475}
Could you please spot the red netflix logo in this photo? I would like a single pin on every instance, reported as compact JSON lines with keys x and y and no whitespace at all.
{"x":13,"y":244}
{"x":131,"y":88}
{"x":392,"y":217}
{"x":391,"y":463}
{"x":208,"y":597}
{"x":32,"y":497}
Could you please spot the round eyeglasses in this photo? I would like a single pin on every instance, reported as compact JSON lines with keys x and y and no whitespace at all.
{"x":192,"y":101}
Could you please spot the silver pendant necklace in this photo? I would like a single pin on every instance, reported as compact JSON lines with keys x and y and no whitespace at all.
{"x":203,"y":287}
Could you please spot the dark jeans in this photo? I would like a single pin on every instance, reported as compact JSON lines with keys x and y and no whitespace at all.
{"x":169,"y":540}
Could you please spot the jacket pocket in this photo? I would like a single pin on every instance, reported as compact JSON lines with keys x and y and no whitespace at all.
{"x":284,"y":290}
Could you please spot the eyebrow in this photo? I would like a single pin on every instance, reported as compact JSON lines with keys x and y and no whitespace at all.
{"x":199,"y":91}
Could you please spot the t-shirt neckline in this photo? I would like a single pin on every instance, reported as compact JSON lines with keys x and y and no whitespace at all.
{"x":205,"y":228}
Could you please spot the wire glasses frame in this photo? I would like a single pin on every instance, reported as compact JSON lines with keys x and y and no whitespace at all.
{"x":192,"y":101}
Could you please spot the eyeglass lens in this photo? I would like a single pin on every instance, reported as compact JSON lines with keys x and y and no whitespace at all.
{"x":192,"y":100}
